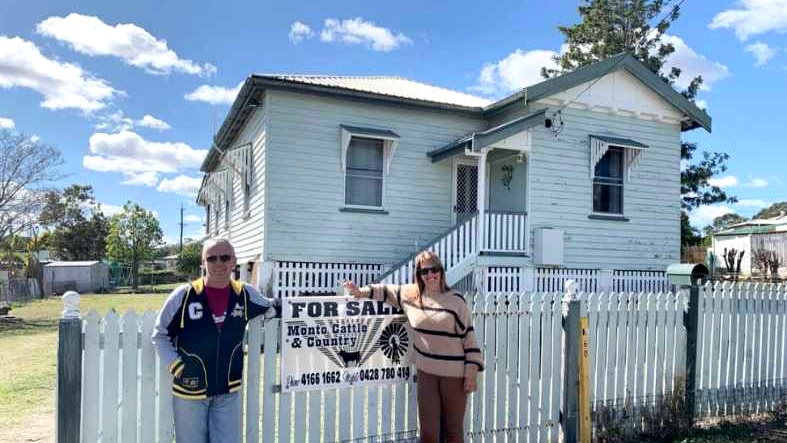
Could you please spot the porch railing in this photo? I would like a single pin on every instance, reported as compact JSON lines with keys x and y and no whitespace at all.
{"x":505,"y":232}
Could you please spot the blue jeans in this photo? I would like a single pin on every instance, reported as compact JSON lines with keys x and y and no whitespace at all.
{"x":214,"y":420}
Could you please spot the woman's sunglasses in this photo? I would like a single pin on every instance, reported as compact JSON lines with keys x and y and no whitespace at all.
{"x":224,"y":258}
{"x":424,"y":271}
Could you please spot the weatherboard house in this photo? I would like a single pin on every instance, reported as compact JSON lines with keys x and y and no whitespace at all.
{"x":320,"y":178}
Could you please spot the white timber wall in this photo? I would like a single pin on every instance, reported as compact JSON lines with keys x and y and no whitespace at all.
{"x":306,"y":183}
{"x":247,"y":228}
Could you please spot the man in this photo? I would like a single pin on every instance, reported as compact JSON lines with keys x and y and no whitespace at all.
{"x":199,"y":336}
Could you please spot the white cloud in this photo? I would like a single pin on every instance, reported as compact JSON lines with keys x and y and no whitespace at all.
{"x":522,"y":68}
{"x":692,"y":64}
{"x":724,"y":182}
{"x":704,"y":215}
{"x":118,"y":122}
{"x":182,"y":185}
{"x":114,"y":122}
{"x":191,"y":218}
{"x":127,"y":152}
{"x":761,"y":52}
{"x":752,"y":203}
{"x":300,"y":31}
{"x":702,"y":104}
{"x":358,"y":31}
{"x":127,"y":41}
{"x":757,"y":183}
{"x":110,"y":210}
{"x":753,"y":17}
{"x":514,"y":72}
{"x":63,"y":85}
{"x":149,"y":179}
{"x":148,"y":121}
{"x":215,"y":95}
{"x":6,"y":123}
{"x":35,"y":138}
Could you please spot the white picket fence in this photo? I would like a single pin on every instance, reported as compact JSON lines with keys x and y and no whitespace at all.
{"x":637,"y":354}
{"x":741,"y":356}
{"x":637,"y":346}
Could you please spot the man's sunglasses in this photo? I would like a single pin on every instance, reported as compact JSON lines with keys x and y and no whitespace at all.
{"x":224,"y":258}
{"x":424,"y":271}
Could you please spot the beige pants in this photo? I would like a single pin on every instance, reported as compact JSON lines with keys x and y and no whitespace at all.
{"x":441,"y":399}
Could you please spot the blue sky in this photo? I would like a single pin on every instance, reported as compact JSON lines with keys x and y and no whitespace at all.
{"x":131,"y":92}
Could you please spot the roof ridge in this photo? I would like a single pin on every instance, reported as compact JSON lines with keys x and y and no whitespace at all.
{"x":332,"y":76}
{"x":397,"y":77}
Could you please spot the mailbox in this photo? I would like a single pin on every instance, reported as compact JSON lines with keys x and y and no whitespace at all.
{"x":687,"y":274}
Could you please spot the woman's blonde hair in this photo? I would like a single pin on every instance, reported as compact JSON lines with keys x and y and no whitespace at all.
{"x":428,"y":257}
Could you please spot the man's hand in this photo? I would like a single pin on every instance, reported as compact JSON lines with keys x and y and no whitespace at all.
{"x":470,"y":384}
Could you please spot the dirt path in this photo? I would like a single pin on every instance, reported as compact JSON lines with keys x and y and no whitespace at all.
{"x":37,"y":427}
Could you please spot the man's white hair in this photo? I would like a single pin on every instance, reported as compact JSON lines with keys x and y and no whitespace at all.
{"x":211,"y":242}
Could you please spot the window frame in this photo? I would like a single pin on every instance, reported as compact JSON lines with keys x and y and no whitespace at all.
{"x":382,"y":175}
{"x":607,"y":181}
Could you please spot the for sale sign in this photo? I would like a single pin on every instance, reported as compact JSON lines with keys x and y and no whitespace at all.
{"x":335,"y":342}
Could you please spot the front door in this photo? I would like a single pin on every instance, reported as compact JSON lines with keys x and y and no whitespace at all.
{"x":465,"y":190}
{"x":507,"y":183}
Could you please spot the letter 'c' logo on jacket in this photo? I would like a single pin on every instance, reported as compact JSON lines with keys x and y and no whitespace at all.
{"x":195,"y":311}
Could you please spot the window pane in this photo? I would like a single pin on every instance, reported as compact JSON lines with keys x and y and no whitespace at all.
{"x":608,"y":198}
{"x":364,"y":191}
{"x":365,"y":154}
{"x":611,"y":164}
{"x":364,"y":182}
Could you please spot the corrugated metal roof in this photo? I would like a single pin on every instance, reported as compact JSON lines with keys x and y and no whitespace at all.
{"x":388,"y":85}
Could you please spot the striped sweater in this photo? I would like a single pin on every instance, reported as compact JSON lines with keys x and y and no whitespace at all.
{"x":443,"y":337}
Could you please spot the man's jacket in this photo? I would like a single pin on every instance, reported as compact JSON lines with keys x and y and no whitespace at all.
{"x":205,"y":360}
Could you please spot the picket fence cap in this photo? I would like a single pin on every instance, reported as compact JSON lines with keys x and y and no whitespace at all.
{"x":71,"y":305}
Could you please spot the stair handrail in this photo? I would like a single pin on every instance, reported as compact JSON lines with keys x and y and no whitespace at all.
{"x":430,"y":245}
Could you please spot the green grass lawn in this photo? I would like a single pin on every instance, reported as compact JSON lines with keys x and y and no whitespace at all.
{"x":28,"y":351}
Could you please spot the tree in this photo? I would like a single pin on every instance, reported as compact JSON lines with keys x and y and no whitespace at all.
{"x":78,"y":226}
{"x":133,"y":237}
{"x":774,"y":210}
{"x":610,"y":27}
{"x":190,"y":259}
{"x":27,"y":166}
{"x":689,"y":236}
{"x":723,"y":221}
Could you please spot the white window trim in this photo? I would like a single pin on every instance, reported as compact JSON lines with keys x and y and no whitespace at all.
{"x":390,"y":143}
{"x":599,"y":147}
{"x":622,"y":185}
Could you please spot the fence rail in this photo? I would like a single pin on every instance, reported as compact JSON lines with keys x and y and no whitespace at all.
{"x":638,"y":357}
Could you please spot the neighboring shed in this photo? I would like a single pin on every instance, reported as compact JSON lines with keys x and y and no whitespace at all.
{"x":751,"y":236}
{"x":82,"y":276}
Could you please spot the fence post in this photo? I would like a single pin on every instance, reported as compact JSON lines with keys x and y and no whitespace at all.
{"x":691,"y":322}
{"x":605,"y":280}
{"x":576,"y":389}
{"x":527,"y":279}
{"x":69,"y":371}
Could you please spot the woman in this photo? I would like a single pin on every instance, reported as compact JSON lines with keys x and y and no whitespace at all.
{"x":446,"y":353}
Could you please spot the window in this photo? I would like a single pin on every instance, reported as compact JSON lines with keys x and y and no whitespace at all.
{"x":608,"y":182}
{"x":227,"y":213}
{"x":207,"y":219}
{"x":246,"y":182}
{"x":364,"y":173}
